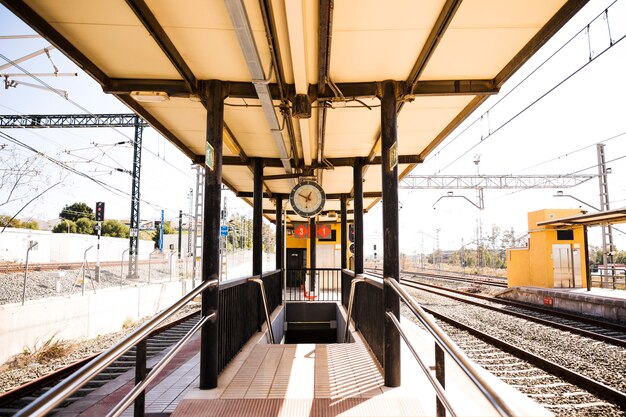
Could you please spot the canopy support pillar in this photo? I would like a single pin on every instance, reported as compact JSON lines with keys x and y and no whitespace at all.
{"x":391,"y":247}
{"x":358,"y":216}
{"x":214,"y":94}
{"x":257,"y":219}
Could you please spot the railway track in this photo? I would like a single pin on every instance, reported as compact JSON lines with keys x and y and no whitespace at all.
{"x":526,"y":351}
{"x":492,"y":281}
{"x":601,"y":330}
{"x":11,"y":267}
{"x":596,"y":329}
{"x":162,"y":338}
{"x":559,"y":389}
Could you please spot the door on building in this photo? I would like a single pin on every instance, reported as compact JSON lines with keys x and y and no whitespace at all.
{"x":578,"y":278}
{"x":562,"y":266}
{"x":296,"y":267}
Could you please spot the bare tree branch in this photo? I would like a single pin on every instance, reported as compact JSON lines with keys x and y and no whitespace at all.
{"x":30,"y":201}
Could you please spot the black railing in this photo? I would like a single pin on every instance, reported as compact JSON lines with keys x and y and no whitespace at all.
{"x":366,"y":314}
{"x":346,"y":279}
{"x":241,"y":312}
{"x":319,"y":284}
{"x":55,"y":396}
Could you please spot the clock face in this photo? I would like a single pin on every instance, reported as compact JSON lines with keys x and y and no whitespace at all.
{"x":307,"y":198}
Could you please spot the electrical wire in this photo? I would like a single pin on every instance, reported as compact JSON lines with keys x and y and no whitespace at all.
{"x":63,"y":149}
{"x":491,"y":133}
{"x":63,"y":165}
{"x":571,"y":152}
{"x":76,"y":104}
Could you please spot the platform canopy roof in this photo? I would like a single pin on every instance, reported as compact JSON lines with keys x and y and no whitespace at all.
{"x":601,"y":218}
{"x":447,"y":56}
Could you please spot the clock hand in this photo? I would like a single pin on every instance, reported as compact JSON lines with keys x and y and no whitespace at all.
{"x":308,"y":197}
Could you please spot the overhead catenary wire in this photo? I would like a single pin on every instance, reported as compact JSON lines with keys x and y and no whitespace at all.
{"x":84,"y":109}
{"x":619,"y":135}
{"x":592,"y":58}
{"x":63,"y":165}
{"x":72,"y":133}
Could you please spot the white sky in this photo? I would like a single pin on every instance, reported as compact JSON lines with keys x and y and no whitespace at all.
{"x":586,"y":109}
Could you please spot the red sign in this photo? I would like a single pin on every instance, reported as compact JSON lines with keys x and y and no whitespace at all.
{"x":301,"y":231}
{"x":548,"y":301}
{"x":323,"y":231}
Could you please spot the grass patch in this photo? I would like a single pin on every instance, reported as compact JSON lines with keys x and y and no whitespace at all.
{"x":48,"y":351}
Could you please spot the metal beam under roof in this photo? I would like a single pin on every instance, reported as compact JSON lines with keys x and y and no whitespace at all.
{"x":239,"y":18}
{"x":498,"y":182}
{"x":150,"y":22}
{"x":602,"y":218}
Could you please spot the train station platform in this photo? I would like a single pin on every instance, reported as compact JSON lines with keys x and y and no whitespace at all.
{"x":309,"y":380}
{"x":599,"y":302}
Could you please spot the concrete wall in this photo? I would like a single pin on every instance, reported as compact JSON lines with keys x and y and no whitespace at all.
{"x":613,"y":309}
{"x":81,"y":317}
{"x":64,"y":247}
{"x":14,"y":243}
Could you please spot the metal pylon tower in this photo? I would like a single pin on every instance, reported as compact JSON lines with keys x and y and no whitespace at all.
{"x":197,"y":231}
{"x":47,"y":121}
{"x":133,"y":252}
{"x":607,"y":232}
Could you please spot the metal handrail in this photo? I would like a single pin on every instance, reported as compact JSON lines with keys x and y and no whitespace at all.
{"x":444,"y":341}
{"x":47,"y":402}
{"x":359,"y":279}
{"x":350,"y":301}
{"x":267,"y":313}
{"x":139,"y":388}
{"x":439,"y":389}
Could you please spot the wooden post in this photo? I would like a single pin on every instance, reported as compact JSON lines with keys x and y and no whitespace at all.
{"x":257,"y":219}
{"x":391,"y":247}
{"x":214,"y":94}
{"x":358,"y":216}
{"x":280,"y":244}
{"x":141,"y":357}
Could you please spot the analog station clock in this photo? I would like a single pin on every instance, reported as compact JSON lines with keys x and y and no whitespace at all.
{"x":307,"y":198}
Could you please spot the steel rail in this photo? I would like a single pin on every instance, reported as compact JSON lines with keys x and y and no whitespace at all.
{"x":439,"y":390}
{"x":47,"y":402}
{"x":599,"y":389}
{"x":489,"y":282}
{"x":560,"y":326}
{"x":61,"y":266}
{"x":350,"y":304}
{"x":446,"y":343}
{"x":139,"y":388}
{"x":267,"y":313}
{"x":441,"y":339}
{"x":551,"y":312}
{"x":55,"y":376}
{"x":473,"y":279}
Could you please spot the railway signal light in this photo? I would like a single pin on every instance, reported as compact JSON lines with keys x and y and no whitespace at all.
{"x":99,"y":211}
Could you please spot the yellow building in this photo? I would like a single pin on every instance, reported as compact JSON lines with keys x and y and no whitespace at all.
{"x":555,"y":257}
{"x":327,"y":251}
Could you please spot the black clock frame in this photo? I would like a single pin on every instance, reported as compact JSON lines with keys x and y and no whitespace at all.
{"x":294,"y":205}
